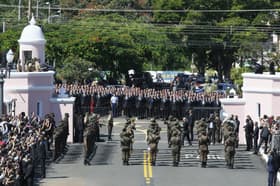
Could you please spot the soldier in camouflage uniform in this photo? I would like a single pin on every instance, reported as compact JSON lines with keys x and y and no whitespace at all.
{"x":203,"y":142}
{"x":168,"y":126}
{"x":201,"y":126}
{"x":130,"y":127}
{"x":227,"y":128}
{"x":176,"y":147}
{"x":230,"y":150}
{"x":153,"y":137}
{"x":126,"y":140}
{"x":89,"y":137}
{"x":175,"y":126}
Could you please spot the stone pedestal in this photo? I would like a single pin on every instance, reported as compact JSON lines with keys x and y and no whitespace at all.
{"x":34,"y":92}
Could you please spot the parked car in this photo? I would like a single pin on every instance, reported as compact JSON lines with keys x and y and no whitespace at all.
{"x":223,"y":87}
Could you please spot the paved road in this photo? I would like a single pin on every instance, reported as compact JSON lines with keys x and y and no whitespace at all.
{"x":107,"y":168}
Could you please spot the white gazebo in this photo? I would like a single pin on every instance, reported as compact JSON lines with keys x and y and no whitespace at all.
{"x":33,"y":91}
{"x":31,"y":44}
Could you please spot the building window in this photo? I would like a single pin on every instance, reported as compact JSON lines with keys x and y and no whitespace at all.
{"x":259,"y":109}
{"x":39,"y":110}
{"x":27,"y":56}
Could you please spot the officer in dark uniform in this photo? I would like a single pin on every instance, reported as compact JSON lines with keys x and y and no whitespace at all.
{"x":28,"y":170}
{"x":150,"y":106}
{"x":65,"y":132}
{"x":186,"y":131}
{"x":42,"y":155}
{"x":249,"y":131}
{"x":256,"y":137}
{"x":58,"y":137}
{"x":190,"y":119}
{"x":110,"y":126}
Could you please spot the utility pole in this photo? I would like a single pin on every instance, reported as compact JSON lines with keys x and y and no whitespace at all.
{"x":29,"y":9}
{"x":4,"y":26}
{"x":37,"y":9}
{"x":19,"y":13}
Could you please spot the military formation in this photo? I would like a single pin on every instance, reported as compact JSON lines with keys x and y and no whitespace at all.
{"x":207,"y":134}
{"x":209,"y":131}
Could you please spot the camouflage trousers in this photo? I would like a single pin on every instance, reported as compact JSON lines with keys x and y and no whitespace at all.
{"x":229,"y":157}
{"x":125,"y":154}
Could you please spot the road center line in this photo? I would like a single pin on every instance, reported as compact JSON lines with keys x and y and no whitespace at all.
{"x":150,"y":170}
{"x":145,"y":165}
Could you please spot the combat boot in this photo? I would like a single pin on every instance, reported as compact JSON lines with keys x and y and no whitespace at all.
{"x":203,"y":165}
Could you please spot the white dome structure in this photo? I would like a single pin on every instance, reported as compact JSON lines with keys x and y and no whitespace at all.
{"x":32,"y":44}
{"x":32,"y":34}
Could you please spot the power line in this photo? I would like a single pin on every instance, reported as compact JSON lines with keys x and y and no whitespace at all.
{"x":147,"y":10}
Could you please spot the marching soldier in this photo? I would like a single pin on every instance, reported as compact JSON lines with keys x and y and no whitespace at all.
{"x":176,"y":147}
{"x":153,"y":137}
{"x":126,"y":140}
{"x":203,"y":142}
{"x":201,"y":126}
{"x":130,"y":127}
{"x":230,"y":150}
{"x":228,"y":127}
{"x":89,"y":137}
{"x":168,"y":126}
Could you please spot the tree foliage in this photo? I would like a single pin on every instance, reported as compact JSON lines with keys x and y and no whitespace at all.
{"x":162,"y":40}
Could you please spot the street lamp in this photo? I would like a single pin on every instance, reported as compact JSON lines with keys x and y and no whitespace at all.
{"x":2,"y":75}
{"x":1,"y":92}
{"x":49,"y":12}
{"x":10,"y":58}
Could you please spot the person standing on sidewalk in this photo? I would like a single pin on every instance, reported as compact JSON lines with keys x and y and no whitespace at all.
{"x":265,"y":133}
{"x":272,"y":168}
{"x":256,"y":137}
{"x":110,"y":126}
{"x":114,"y":105}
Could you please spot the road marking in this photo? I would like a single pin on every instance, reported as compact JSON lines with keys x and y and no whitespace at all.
{"x":209,"y":156}
{"x":149,"y":166}
{"x":148,"y":170}
{"x":145,"y":165}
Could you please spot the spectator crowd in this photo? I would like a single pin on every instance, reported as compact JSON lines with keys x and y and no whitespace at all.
{"x":25,"y":144}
